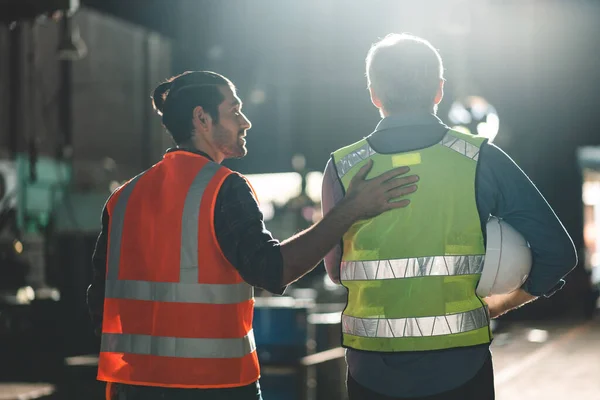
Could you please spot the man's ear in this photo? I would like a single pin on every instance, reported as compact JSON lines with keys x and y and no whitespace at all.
{"x":440,"y":93}
{"x":374,"y":99}
{"x":201,"y":119}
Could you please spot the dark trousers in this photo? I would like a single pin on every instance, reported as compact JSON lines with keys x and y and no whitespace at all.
{"x":480,"y":387}
{"x":118,"y":391}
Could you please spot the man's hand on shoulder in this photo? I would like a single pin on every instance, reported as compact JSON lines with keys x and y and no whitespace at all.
{"x":367,"y":198}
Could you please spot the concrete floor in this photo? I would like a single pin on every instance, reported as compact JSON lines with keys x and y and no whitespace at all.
{"x":563,"y":365}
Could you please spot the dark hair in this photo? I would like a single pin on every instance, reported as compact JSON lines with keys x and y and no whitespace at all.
{"x":176,"y":99}
{"x":405,"y":72}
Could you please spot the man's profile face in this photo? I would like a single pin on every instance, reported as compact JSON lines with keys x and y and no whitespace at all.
{"x":229,"y":134}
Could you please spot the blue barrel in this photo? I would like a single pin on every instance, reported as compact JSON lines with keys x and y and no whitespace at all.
{"x":283,"y":336}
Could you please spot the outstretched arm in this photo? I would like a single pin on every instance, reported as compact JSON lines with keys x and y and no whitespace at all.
{"x":364,"y":199}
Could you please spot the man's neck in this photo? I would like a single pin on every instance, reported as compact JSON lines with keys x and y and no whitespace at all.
{"x":194,"y":148}
{"x":408,"y":112}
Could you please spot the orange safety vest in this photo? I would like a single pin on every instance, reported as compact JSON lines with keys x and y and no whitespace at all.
{"x":176,"y":312}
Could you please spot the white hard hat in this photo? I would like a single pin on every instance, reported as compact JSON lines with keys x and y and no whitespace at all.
{"x":507,"y":259}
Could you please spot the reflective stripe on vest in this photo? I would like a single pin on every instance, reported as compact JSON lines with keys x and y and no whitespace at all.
{"x":411,"y":267}
{"x":415,"y":327}
{"x":461,"y":146}
{"x":116,"y":230}
{"x":180,"y":292}
{"x":179,"y":347}
{"x":346,"y":163}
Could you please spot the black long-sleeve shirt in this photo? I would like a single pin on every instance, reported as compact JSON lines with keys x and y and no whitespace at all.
{"x":240,"y":231}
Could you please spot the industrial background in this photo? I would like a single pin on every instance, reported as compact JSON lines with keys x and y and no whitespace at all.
{"x":76,"y":120}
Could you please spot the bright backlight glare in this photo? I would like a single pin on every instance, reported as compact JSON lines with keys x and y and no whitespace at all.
{"x":25,"y":295}
{"x":314,"y":181}
{"x":258,"y":96}
{"x":537,"y":335}
{"x":18,"y":246}
{"x":475,"y":115}
{"x":277,"y":188}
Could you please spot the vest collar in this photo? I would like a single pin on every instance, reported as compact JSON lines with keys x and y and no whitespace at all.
{"x":403,"y":120}
{"x":185,"y":151}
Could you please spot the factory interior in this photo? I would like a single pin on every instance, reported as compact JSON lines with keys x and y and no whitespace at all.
{"x":76,"y":122}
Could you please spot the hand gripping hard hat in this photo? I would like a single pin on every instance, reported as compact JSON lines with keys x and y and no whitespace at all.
{"x":507,"y":259}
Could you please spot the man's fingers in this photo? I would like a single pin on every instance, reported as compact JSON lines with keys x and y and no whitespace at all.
{"x":401,"y":191}
{"x":397,"y":204}
{"x":406,"y":180}
{"x":392,"y":173}
{"x":363,"y":171}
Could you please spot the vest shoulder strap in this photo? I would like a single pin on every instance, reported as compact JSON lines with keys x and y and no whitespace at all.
{"x":467,"y":137}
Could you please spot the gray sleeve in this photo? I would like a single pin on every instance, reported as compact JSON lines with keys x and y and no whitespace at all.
{"x":505,"y":191}
{"x":331,"y":193}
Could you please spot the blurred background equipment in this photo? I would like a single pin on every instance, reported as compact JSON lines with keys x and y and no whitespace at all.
{"x":52,"y":191}
{"x":589,"y":161}
{"x":71,"y":46}
{"x":13,"y":11}
{"x":298,"y":344}
{"x":283,"y":337}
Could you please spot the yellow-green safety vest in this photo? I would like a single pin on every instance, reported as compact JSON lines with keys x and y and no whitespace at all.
{"x":411,"y":273}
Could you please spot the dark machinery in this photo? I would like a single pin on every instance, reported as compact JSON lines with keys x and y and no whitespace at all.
{"x":31,"y":187}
